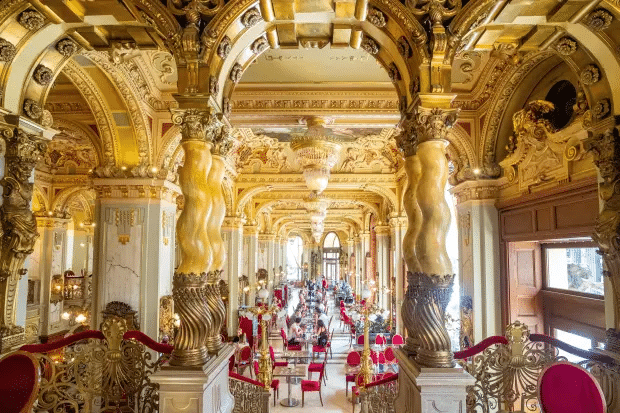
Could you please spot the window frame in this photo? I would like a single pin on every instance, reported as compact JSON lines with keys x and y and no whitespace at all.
{"x":566,"y":243}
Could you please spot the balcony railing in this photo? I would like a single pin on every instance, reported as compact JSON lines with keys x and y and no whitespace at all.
{"x":507,"y":369}
{"x":250,"y":395}
{"x":100,"y":371}
{"x":379,"y":395}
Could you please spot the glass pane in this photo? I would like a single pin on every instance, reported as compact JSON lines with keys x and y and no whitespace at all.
{"x":574,"y":340}
{"x":575,"y":269}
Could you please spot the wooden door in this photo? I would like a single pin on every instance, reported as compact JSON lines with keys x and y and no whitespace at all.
{"x":524,"y":284}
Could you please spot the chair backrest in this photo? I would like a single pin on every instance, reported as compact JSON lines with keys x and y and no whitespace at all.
{"x":374,"y":357}
{"x":397,"y":340}
{"x":19,"y":382}
{"x":379,"y":340}
{"x":354,"y":359}
{"x":566,"y":387}
{"x":381,"y":356}
{"x":256,"y":369}
{"x":272,"y":354}
{"x":389,"y":354}
{"x":246,"y":354}
{"x":360,"y":340}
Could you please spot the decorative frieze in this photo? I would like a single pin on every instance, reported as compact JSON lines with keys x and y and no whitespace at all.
{"x":476,"y":190}
{"x":328,"y":104}
{"x":136,"y":188}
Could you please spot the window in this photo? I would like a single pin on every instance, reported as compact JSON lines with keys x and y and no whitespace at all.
{"x":574,"y":340}
{"x":574,"y":267}
{"x":331,"y":256}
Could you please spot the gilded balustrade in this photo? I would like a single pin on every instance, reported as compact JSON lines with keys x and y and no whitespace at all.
{"x":108,"y":372}
{"x":507,"y":371}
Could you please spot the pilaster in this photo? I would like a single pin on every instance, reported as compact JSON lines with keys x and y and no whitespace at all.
{"x":250,"y":234}
{"x":398,"y":226}
{"x":478,"y":225}
{"x":135,"y":246}
{"x":383,"y":264}
{"x":48,"y":269}
{"x":232,"y":232}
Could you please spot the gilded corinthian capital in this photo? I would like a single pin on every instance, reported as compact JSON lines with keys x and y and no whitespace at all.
{"x":197,"y":124}
{"x":425,"y":124}
{"x":19,"y":226}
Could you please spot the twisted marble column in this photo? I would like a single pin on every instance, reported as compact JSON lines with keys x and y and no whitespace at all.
{"x":189,"y":281}
{"x":430,"y":278}
{"x":222,"y":145}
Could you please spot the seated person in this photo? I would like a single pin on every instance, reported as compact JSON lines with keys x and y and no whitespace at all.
{"x":321,"y":332}
{"x":294,"y":332}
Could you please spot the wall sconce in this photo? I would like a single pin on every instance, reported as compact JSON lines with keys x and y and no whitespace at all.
{"x":57,"y":287}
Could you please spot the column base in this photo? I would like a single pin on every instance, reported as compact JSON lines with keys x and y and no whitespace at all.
{"x":430,"y":390}
{"x":196,"y":390}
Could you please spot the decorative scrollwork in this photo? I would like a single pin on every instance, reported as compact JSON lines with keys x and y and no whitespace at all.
{"x":380,"y":398}
{"x":32,"y":109}
{"x":249,"y":397}
{"x":590,"y":75}
{"x":566,"y":46}
{"x":370,"y":45}
{"x":260,"y":45}
{"x":223,"y":49}
{"x":235,"y":73}
{"x":599,"y":20}
{"x":103,"y":375}
{"x":507,"y":374}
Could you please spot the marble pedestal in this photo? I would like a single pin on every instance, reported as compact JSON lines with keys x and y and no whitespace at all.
{"x":430,"y":390}
{"x":200,"y":390}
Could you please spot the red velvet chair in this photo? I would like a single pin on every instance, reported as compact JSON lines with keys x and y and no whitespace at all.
{"x":245,"y":358}
{"x":286,"y":345}
{"x":390,"y":358}
{"x":19,"y":382}
{"x":360,"y":340}
{"x":318,"y":368}
{"x":397,"y":340}
{"x":275,"y":384}
{"x":380,"y":340}
{"x":353,"y":359}
{"x":275,"y":363}
{"x":565,"y":387}
{"x":311,"y":385}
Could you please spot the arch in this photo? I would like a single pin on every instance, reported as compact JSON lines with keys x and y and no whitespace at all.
{"x":246,"y":195}
{"x":401,"y":24}
{"x":130,"y":95}
{"x":503,"y":94}
{"x":79,"y":129}
{"x":99,"y":108}
{"x":384,"y":192}
{"x":59,"y":204}
{"x":170,"y":148}
{"x":39,"y":194}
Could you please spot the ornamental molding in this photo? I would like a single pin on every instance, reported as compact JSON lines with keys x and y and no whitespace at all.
{"x":43,"y":75}
{"x":331,"y":104}
{"x":137,"y":188}
{"x":31,"y":19}
{"x":536,"y":152}
{"x":130,"y":95}
{"x":98,"y":107}
{"x":477,"y":190}
{"x":67,"y":47}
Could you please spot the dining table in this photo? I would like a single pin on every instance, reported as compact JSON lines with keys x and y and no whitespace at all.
{"x":290,"y":372}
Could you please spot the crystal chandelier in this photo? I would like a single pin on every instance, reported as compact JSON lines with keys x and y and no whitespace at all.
{"x":317,"y":153}
{"x":317,"y":209}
